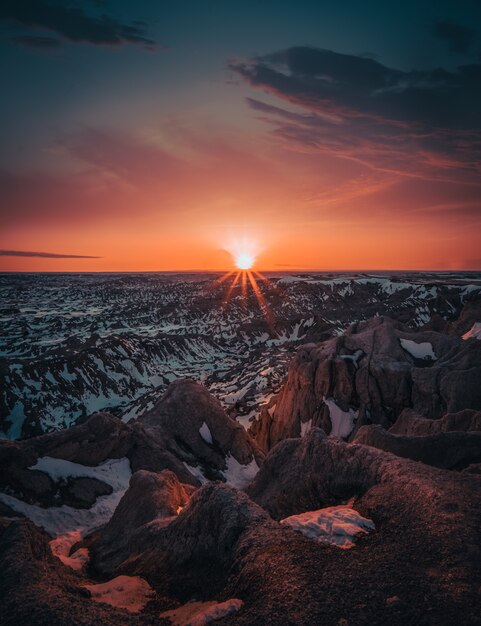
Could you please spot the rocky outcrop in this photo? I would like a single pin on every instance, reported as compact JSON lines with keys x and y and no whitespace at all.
{"x":370,"y":374}
{"x":187,"y":432}
{"x":150,"y":497}
{"x":35,"y":588}
{"x":410,"y":423}
{"x":415,"y":508}
{"x":198,"y":431}
{"x":449,"y":450}
{"x":89,"y":444}
{"x":222,"y":545}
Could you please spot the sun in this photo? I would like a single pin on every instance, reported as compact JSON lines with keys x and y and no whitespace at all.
{"x":244,"y":261}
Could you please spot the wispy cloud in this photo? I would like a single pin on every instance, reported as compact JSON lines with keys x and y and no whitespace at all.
{"x":421,"y":124}
{"x":46,"y":255}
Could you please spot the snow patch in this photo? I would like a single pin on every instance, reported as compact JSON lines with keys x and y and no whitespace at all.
{"x":239,"y":475}
{"x":63,"y":519}
{"x":123,"y":592}
{"x":342,"y":422}
{"x":335,"y":525}
{"x":197,"y":472}
{"x":423,"y":350}
{"x":205,"y":433}
{"x":202,"y":613}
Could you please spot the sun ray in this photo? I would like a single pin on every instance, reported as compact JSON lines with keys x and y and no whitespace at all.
{"x":223,"y":278}
{"x":231,"y":288}
{"x":244,"y":285}
{"x":263,"y":305}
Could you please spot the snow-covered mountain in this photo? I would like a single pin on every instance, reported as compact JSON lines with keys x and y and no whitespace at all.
{"x":71,"y":345}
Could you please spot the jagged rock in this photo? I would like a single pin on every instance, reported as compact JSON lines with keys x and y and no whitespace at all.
{"x":410,"y":423}
{"x":222,"y":541}
{"x":369,"y":375}
{"x":197,"y":430}
{"x":449,"y":450}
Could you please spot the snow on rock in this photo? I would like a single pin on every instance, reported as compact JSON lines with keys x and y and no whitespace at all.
{"x":474,"y":332}
{"x":205,"y":433}
{"x":202,"y":613}
{"x":342,"y":421}
{"x":239,"y":475}
{"x":423,"y":350}
{"x":124,"y":592}
{"x":196,"y":471}
{"x":62,"y":545}
{"x":334,"y":525}
{"x":354,"y":358}
{"x":63,"y":519}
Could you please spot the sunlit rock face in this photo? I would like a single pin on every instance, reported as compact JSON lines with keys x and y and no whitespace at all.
{"x":370,"y":374}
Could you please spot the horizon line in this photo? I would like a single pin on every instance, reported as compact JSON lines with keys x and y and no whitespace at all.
{"x":217,"y":271}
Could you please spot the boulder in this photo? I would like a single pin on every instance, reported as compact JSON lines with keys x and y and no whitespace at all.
{"x":150,"y":498}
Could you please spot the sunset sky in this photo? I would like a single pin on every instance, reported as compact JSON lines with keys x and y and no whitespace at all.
{"x":156,"y":135}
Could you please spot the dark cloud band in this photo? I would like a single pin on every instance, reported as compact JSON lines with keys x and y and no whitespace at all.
{"x":72,"y":23}
{"x":45,"y":255}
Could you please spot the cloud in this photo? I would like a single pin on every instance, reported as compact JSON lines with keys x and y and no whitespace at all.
{"x":348,"y":87}
{"x":459,"y":38}
{"x":45,"y":255}
{"x":36,"y":41}
{"x":72,"y":23}
{"x":421,"y":124}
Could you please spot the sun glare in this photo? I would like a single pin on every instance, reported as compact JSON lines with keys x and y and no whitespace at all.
{"x":244,"y":261}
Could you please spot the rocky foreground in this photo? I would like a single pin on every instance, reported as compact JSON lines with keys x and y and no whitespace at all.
{"x":355,"y":498}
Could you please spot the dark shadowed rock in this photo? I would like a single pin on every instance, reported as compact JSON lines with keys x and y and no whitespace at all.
{"x":410,"y":423}
{"x":149,"y":497}
{"x":222,"y":545}
{"x":82,"y":492}
{"x":197,"y":430}
{"x":94,"y":441}
{"x":449,"y":450}
{"x":35,"y":588}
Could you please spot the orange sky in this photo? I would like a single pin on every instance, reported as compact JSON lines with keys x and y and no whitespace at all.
{"x":314,"y":157}
{"x":298,"y":211}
